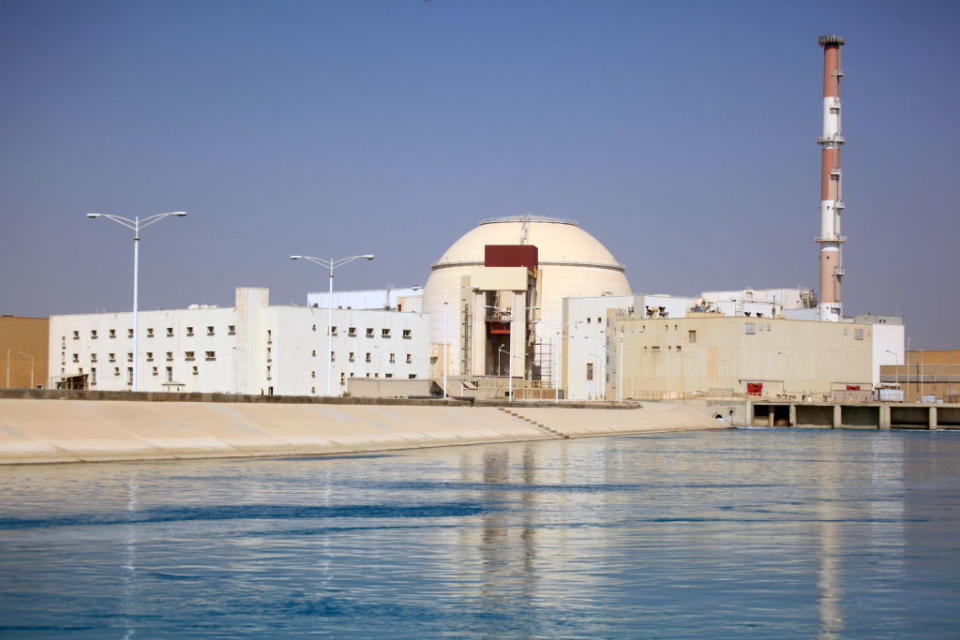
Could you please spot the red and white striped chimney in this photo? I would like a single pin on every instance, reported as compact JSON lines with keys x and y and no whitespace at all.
{"x":831,"y":199}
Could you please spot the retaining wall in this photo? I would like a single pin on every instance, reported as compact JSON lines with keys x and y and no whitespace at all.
{"x":33,"y":430}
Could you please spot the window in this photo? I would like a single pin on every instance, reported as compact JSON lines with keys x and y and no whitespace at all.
{"x":209,"y":355}
{"x":388,"y":375}
{"x":189,"y":332}
{"x":196,"y":370}
{"x":314,"y":328}
{"x":116,"y":371}
{"x":750,"y":328}
{"x":129,"y":333}
{"x":333,"y":331}
{"x":412,"y":376}
{"x":352,"y":332}
{"x":93,"y":334}
{"x":169,"y":332}
{"x":169,"y":356}
{"x":589,"y":371}
{"x":589,"y":320}
{"x":691,"y":336}
{"x":232,"y":330}
{"x":351,"y":357}
{"x":407,"y":334}
{"x":367,"y":358}
{"x":169,"y":374}
{"x":269,"y":338}
{"x":113,"y":333}
{"x":209,"y":331}
{"x":76,"y":357}
{"x":314,"y":353}
{"x":129,"y":376}
{"x":393,"y":357}
{"x":333,"y":356}
{"x":655,"y":349}
{"x":93,"y":376}
{"x":370,"y":332}
{"x":112,"y":357}
{"x":409,"y":358}
{"x":189,"y":356}
{"x":858,"y":334}
{"x":313,"y":374}
{"x":149,"y":356}
{"x":384,"y":333}
{"x":76,"y":335}
{"x":269,"y":355}
{"x":129,"y":356}
{"x":313,"y":389}
{"x":269,"y":377}
{"x":156,"y":371}
{"x":150,"y":332}
{"x":343,"y":378}
{"x":93,"y":357}
{"x":678,"y":347}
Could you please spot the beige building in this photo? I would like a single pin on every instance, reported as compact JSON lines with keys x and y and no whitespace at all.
{"x":934,"y":375}
{"x":715,"y":354}
{"x":23,"y":350}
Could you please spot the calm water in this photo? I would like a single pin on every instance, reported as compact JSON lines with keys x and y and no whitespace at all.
{"x":742,"y":534}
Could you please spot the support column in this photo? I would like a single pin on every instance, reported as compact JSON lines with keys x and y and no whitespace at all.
{"x":884,"y":416}
{"x":770,"y":417}
{"x":793,"y":415}
{"x":837,"y":416}
{"x":932,"y":418}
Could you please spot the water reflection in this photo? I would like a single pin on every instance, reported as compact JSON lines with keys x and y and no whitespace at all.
{"x":737,"y":534}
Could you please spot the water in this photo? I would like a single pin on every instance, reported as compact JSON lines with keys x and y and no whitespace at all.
{"x":738,"y":534}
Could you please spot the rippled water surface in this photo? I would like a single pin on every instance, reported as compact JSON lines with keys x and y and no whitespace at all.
{"x":737,"y":534}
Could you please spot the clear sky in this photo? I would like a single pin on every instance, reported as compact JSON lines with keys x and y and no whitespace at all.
{"x":681,"y":134}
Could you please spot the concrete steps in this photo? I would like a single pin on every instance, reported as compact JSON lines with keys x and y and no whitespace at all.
{"x":539,"y":425}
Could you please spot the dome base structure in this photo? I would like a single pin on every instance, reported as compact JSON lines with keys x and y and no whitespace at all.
{"x":496,"y":296}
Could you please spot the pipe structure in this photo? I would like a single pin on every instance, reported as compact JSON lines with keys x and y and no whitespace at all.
{"x":831,"y":195}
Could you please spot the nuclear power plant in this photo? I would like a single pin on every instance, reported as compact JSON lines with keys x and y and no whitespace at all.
{"x":519,"y":307}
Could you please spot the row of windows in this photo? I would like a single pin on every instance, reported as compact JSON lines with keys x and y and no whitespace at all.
{"x":153,"y":370}
{"x":112,"y":333}
{"x":187,"y":355}
{"x":370,"y":332}
{"x":368,"y":356}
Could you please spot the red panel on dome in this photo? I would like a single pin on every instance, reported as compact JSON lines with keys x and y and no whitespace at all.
{"x":511,"y":255}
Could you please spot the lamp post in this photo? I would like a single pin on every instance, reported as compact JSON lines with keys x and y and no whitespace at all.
{"x":31,"y":366}
{"x":331,"y":264}
{"x":499,"y":367}
{"x":136,"y":224}
{"x":620,"y":370}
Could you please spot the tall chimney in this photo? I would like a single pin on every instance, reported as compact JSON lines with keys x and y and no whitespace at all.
{"x":831,"y":198}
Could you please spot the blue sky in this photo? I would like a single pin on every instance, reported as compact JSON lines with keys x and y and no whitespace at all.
{"x":681,"y":134}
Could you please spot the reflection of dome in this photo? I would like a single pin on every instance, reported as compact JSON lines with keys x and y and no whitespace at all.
{"x":572,"y":264}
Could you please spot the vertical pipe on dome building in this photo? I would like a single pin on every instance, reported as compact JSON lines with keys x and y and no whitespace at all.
{"x":831,"y":200}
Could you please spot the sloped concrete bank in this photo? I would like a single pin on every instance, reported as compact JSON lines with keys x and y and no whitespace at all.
{"x":45,"y":431}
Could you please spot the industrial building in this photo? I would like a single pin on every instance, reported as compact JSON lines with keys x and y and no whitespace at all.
{"x":925,"y":376}
{"x":253,"y":348}
{"x":23,"y":349}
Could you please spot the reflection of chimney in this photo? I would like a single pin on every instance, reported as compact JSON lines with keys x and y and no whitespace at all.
{"x":831,"y":200}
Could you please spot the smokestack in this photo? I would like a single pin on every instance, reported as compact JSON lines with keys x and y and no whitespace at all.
{"x":831,"y":199}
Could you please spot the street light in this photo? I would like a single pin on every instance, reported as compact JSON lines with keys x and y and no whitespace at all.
{"x":331,"y":264}
{"x":31,"y":366}
{"x":136,"y":224}
{"x":499,"y":366}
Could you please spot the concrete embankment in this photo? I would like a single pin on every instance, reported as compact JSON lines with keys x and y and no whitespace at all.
{"x":42,"y":431}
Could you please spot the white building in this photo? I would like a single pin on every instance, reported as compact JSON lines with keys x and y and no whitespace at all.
{"x":252,"y":348}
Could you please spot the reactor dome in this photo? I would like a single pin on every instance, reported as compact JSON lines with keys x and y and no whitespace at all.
{"x":572,"y":264}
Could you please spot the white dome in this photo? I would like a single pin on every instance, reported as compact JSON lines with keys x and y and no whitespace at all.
{"x":573,"y":264}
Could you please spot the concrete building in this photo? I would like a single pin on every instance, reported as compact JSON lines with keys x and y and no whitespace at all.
{"x":925,"y":376}
{"x":253,"y":348}
{"x":718,"y":355}
{"x":495,"y":297}
{"x":23,"y":349}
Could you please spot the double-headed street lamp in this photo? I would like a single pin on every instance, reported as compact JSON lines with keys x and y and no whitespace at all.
{"x":136,"y":224}
{"x":331,"y":264}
